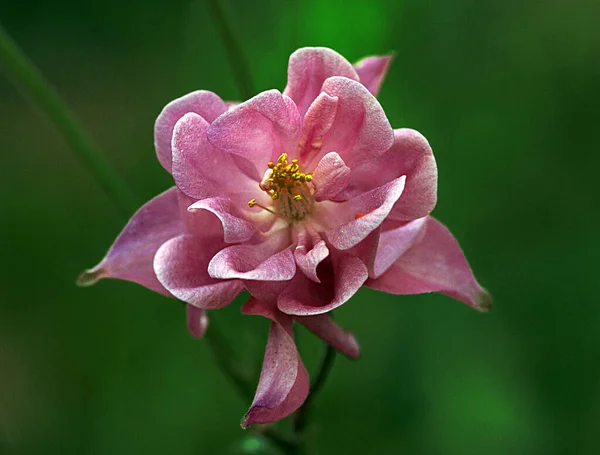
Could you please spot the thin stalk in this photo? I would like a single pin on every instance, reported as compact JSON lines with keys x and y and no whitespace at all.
{"x":34,"y":86}
{"x":237,"y":58}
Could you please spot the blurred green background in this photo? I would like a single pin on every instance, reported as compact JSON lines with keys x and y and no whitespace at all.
{"x":507,"y":93}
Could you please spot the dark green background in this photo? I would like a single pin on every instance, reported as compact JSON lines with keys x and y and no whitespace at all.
{"x":507,"y":93}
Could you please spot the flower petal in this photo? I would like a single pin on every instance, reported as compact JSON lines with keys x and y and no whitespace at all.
{"x":253,"y":262}
{"x":394,"y":240}
{"x":325,"y":327}
{"x":309,"y":255}
{"x":372,"y":70}
{"x":260,"y":129}
{"x":361,"y":131}
{"x":410,"y":155}
{"x":340,"y":279}
{"x":204,"y":103}
{"x":330,"y":177}
{"x":235,"y":229}
{"x":317,"y":122}
{"x":201,"y":170}
{"x":435,"y":264}
{"x":181,"y":266}
{"x":308,"y":68}
{"x":366,"y":212}
{"x":283,"y":385}
{"x":197,"y":321}
{"x":130,"y":257}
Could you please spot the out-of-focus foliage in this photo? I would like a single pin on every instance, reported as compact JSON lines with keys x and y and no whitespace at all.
{"x":508,"y":94}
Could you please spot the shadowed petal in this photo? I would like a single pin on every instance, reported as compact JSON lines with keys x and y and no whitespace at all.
{"x":260,"y":129}
{"x":130,"y":257}
{"x":197,"y":321}
{"x":235,"y":229}
{"x":283,"y":384}
{"x":372,"y":70}
{"x":340,"y":279}
{"x":330,"y":177}
{"x":201,"y":170}
{"x":317,"y":122}
{"x":204,"y":103}
{"x":435,"y":264}
{"x":308,"y":69}
{"x":325,"y":328}
{"x":181,"y":265}
{"x":361,"y":131}
{"x":366,"y":212}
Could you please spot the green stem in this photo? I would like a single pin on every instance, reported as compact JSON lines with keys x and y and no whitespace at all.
{"x":224,"y":357}
{"x":25,"y":75}
{"x":237,"y":58}
{"x":301,"y":416}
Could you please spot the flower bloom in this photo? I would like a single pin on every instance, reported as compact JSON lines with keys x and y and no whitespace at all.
{"x":300,"y":198}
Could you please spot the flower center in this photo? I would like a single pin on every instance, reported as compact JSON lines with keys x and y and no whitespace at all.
{"x":288,"y":188}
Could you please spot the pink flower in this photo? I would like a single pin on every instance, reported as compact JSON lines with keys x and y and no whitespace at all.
{"x":300,"y":198}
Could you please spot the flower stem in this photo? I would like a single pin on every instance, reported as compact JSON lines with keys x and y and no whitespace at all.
{"x":301,"y":416}
{"x":26,"y":76}
{"x":237,"y":58}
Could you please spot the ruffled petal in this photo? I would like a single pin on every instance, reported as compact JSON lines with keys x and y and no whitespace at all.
{"x":206,"y":104}
{"x":283,"y":385}
{"x":325,"y":328}
{"x":372,"y":70}
{"x":309,"y":254}
{"x":260,"y":129}
{"x":235,"y":229}
{"x":308,"y":69}
{"x":197,"y":321}
{"x":330,"y":177}
{"x":340,"y":279}
{"x":366,"y":212}
{"x":434,"y":264}
{"x":361,"y":131}
{"x":411,"y":156}
{"x":264,"y":262}
{"x":201,"y":170}
{"x":130,"y":257}
{"x":181,"y":265}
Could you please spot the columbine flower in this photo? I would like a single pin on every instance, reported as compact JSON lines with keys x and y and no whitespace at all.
{"x":300,"y":198}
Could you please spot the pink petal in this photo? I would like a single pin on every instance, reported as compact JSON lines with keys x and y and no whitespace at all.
{"x":262,"y":262}
{"x":201,"y":170}
{"x":372,"y":70}
{"x":330,"y":177}
{"x":181,"y":266}
{"x":197,"y":321}
{"x":340,"y":280}
{"x":435,"y":264}
{"x":317,"y":122}
{"x":283,"y":385}
{"x":130,"y":257}
{"x":361,"y":131}
{"x":260,"y":129}
{"x":394,"y":241}
{"x":235,"y":229}
{"x":410,"y":155}
{"x":309,"y":255}
{"x":308,"y":69}
{"x":206,"y":104}
{"x":366,"y":212}
{"x":325,"y":328}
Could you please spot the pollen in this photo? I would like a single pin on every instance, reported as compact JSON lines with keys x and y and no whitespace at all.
{"x":288,"y":187}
